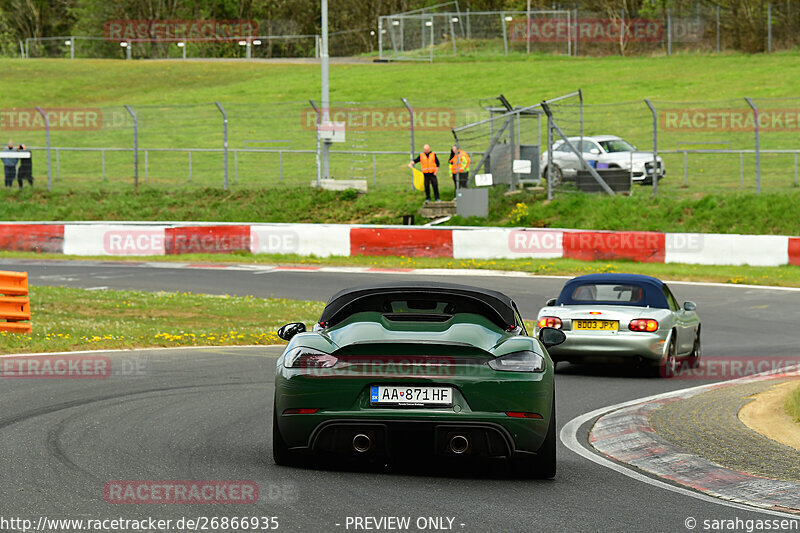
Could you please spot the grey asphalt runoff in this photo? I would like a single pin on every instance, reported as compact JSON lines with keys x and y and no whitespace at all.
{"x":205,"y":414}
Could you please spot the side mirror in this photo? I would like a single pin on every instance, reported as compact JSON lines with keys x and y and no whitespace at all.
{"x":290,"y":330}
{"x":594,"y":151}
{"x":551,"y":302}
{"x":689,"y":306}
{"x":551,"y":337}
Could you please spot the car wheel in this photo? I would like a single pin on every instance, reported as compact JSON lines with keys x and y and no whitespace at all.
{"x":557,"y":176}
{"x":543,"y":465}
{"x":669,"y":365}
{"x":697,"y":349}
{"x":280,"y":452}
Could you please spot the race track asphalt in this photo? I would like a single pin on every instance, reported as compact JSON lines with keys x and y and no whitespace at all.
{"x":204,"y":414}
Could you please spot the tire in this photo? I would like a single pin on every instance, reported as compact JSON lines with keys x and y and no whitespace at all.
{"x":557,"y":177}
{"x":697,"y":351}
{"x":281,"y":454}
{"x":543,"y":465}
{"x":669,"y":364}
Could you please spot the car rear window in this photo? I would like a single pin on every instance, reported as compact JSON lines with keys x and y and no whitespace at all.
{"x":604,"y":292}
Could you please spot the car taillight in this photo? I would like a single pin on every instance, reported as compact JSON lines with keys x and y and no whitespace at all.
{"x":300,"y":411}
{"x":519,"y":414}
{"x":643,"y":324}
{"x":524,"y":361}
{"x":550,"y":322}
{"x":308,"y":358}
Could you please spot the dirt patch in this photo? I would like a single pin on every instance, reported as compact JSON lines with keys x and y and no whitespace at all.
{"x":766,"y":414}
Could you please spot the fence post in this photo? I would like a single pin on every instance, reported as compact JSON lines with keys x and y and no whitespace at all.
{"x":528,"y":28}
{"x":718,"y":34}
{"x":577,"y":30}
{"x":411,"y":130}
{"x":769,"y":27}
{"x":452,"y":33}
{"x":549,"y":156}
{"x":224,"y":139}
{"x":669,"y":32}
{"x":622,"y":34}
{"x":655,"y":147}
{"x":135,"y":148}
{"x":512,"y":143}
{"x":685,"y":168}
{"x":758,"y":143}
{"x":569,"y":33}
{"x":47,"y":135}
{"x":505,"y":32}
{"x":72,"y":47}
{"x":741,"y":170}
{"x":319,"y":161}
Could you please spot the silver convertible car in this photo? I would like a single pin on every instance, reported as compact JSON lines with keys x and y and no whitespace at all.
{"x":625,"y":318}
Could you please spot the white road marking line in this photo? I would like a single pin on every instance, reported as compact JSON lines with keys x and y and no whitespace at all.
{"x":155,"y":348}
{"x":569,"y":437}
{"x":378,"y":270}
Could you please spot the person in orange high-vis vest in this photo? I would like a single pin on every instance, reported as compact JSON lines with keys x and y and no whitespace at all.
{"x":429,"y":164}
{"x":459,"y":167}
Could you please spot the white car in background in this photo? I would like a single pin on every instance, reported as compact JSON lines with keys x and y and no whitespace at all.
{"x":602,"y":152}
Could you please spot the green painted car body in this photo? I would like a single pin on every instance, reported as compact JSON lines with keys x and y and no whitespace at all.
{"x":324,"y":406}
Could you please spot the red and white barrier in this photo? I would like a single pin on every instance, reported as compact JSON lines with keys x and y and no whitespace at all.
{"x":402,"y":241}
{"x":47,"y":238}
{"x":138,"y":239}
{"x":113,"y":239}
{"x":507,"y":243}
{"x":322,"y":240}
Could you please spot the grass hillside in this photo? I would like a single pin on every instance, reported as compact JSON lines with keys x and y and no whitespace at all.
{"x":769,"y":213}
{"x":267,"y":104}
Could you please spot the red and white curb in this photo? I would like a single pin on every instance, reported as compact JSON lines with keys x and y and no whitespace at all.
{"x":323,"y":240}
{"x":623,"y":433}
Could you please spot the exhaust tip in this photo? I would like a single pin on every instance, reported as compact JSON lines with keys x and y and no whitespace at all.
{"x":362,"y":443}
{"x":459,"y":444}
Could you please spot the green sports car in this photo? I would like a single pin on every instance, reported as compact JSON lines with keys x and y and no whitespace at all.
{"x":422,"y":369}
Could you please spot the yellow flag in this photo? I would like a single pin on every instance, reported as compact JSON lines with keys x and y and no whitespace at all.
{"x":419,"y":180}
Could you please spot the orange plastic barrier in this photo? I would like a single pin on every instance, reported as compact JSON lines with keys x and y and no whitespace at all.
{"x":15,"y":305}
{"x":14,"y":283}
